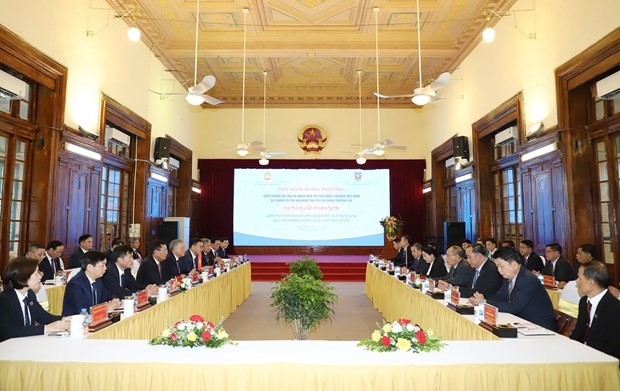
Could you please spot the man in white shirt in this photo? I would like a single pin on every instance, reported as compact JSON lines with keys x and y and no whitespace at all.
{"x":52,"y":263}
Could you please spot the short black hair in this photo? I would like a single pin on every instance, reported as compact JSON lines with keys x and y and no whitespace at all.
{"x":54,"y":244}
{"x":555,"y":247}
{"x":597,"y":271}
{"x":17,"y":272}
{"x":509,"y":243}
{"x":155,"y":245}
{"x":508,"y":254}
{"x":34,"y":247}
{"x":194,"y":241}
{"x":430,"y":250}
{"x":84,"y":237}
{"x":223,"y":238}
{"x":477,"y":248}
{"x":418,"y":246}
{"x":466,"y":241}
{"x":528,"y":243}
{"x":492,"y":240}
{"x":589,"y":249}
{"x":121,"y":251}
{"x":91,"y":258}
{"x":407,"y":238}
{"x":117,"y":242}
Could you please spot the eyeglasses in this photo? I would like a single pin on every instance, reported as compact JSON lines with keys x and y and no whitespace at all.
{"x":164,"y":250}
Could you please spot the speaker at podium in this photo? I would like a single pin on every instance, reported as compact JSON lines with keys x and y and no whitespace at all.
{"x":453,"y":233}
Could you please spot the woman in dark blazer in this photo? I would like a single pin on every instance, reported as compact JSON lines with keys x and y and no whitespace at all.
{"x":436,"y":266}
{"x":21,"y":315}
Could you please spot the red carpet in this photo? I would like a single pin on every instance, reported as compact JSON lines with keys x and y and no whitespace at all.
{"x":347,"y":270}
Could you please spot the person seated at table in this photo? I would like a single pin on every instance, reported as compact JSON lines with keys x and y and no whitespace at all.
{"x":508,"y":243}
{"x":86,"y":289}
{"x":212,"y":257}
{"x":190,"y":258}
{"x":491,"y":246}
{"x":223,"y":251}
{"x":569,"y":299}
{"x":118,"y":278}
{"x":134,"y":243}
{"x":399,"y":252}
{"x":532,"y":261}
{"x":176,"y":263}
{"x":558,"y":266}
{"x":487,"y":279}
{"x":151,"y":271}
{"x":521,"y":293}
{"x":115,"y":243}
{"x":419,"y":266}
{"x":436,"y":266}
{"x":20,"y":313}
{"x":460,"y":274}
{"x":85,"y":245}
{"x":599,"y":312}
{"x":52,"y":263}
{"x":206,"y":249}
{"x":407,"y":255}
{"x":466,"y":243}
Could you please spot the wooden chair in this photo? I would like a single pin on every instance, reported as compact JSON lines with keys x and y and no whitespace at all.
{"x":565,"y":323}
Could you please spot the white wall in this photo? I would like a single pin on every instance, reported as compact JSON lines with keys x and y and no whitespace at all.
{"x":494,"y":72}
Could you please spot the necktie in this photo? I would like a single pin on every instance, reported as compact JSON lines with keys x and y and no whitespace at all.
{"x":510,"y":286}
{"x":406,"y":260}
{"x":588,"y":309}
{"x":159,"y":269}
{"x":199,"y":261}
{"x":53,"y":264}
{"x":195,"y":264}
{"x":26,"y":314}
{"x":178,"y":267}
{"x":473,"y":284}
{"x":94,"y":293}
{"x":451,"y":274}
{"x":123,"y":280}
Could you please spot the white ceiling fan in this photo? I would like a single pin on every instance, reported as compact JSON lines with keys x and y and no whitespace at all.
{"x":264,"y":155}
{"x":422,"y":95}
{"x":196,"y":94}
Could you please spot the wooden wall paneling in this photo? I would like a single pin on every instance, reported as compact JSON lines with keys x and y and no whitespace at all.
{"x":184,"y":175}
{"x":195,"y":211}
{"x":155,"y":203}
{"x":438,"y":192}
{"x":466,"y":207}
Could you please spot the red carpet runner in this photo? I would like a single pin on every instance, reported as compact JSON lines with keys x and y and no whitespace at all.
{"x":274,"y":271}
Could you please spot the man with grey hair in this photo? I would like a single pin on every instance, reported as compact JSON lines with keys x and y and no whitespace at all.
{"x":175,"y":265}
{"x":460,"y":273}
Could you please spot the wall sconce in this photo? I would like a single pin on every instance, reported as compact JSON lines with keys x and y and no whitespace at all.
{"x":133,"y":34}
{"x":82,"y":151}
{"x":158,"y":177}
{"x":463,"y":178}
{"x":195,"y":189}
{"x":488,"y":35}
{"x":426,"y":190}
{"x":539,"y":152}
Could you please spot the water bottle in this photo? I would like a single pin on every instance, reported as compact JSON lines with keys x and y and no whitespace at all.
{"x":86,"y":321}
{"x":425,"y":285}
{"x":479,"y":312}
{"x":541,"y":278}
{"x":447,"y":295}
{"x":135,"y":302}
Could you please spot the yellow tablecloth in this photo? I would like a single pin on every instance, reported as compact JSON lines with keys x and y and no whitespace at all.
{"x":214,"y":299}
{"x":554,"y":295}
{"x":55,"y":296}
{"x":395,"y":300}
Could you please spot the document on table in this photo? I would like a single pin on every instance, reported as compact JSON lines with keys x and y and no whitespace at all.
{"x":532,"y":329}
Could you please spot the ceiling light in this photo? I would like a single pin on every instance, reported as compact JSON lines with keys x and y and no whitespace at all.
{"x":488,"y":35}
{"x":539,"y":152}
{"x":158,"y":177}
{"x":82,"y":151}
{"x":379,"y":152}
{"x":194,"y":100}
{"x":134,"y":34}
{"x":463,"y":178}
{"x":361,"y":160}
{"x":242,"y":152}
{"x":263,"y":161}
{"x":426,"y":190}
{"x":421,"y":99}
{"x":196,"y":189}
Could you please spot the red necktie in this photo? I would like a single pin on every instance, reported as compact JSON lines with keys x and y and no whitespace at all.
{"x":200,"y":261}
{"x":588,"y":309}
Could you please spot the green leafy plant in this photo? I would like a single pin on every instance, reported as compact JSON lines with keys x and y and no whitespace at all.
{"x":304,"y":302}
{"x":306,"y":266}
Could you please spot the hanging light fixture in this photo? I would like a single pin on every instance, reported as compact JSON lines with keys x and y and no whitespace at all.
{"x":134,"y":34}
{"x":488,"y":35}
{"x":360,"y":156}
{"x":378,"y":151}
{"x":242,"y":148}
{"x":195,"y":99}
{"x":263,"y":160}
{"x":425,"y":96}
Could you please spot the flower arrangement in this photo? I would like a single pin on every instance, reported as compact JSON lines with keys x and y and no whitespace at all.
{"x":402,"y":335}
{"x":185,"y":284}
{"x":390,"y":226}
{"x":193,"y":332}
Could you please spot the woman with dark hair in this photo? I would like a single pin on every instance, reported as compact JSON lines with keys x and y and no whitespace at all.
{"x":436,"y":266}
{"x":21,"y":315}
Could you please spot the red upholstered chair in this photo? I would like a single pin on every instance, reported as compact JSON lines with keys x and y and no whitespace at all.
{"x":565,"y":323}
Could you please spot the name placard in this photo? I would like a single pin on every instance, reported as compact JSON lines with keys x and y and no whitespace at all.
{"x":98,"y":314}
{"x":455,"y":296}
{"x":194,"y":278}
{"x":431,"y":285}
{"x":490,"y":314}
{"x":143,"y":298}
{"x":549,"y":280}
{"x":172,"y":285}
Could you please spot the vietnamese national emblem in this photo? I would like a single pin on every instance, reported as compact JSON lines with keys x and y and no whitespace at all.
{"x":312,"y":139}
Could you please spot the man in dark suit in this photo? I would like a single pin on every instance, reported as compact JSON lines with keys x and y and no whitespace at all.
{"x":135,"y":247}
{"x":176,"y":264}
{"x":21,"y":315}
{"x":418,"y":264}
{"x":118,"y":278}
{"x":86,"y":244}
{"x":531,"y":260}
{"x":558,"y":266}
{"x":190,"y":258}
{"x":206,"y":249}
{"x":460,"y":274}
{"x":212,"y":257}
{"x":599,"y":312}
{"x":86,"y":288}
{"x":52,"y":263}
{"x":115,"y":243}
{"x":521,"y":293}
{"x":491,"y":246}
{"x":36,"y":251}
{"x":399,"y":252}
{"x":223,"y":251}
{"x":150,"y":271}
{"x":487,"y":279}
{"x":407,"y":254}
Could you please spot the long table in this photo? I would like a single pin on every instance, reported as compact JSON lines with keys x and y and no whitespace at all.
{"x":214,"y":299}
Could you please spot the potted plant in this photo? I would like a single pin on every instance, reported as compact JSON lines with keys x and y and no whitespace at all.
{"x":304,"y":302}
{"x":306,"y":265}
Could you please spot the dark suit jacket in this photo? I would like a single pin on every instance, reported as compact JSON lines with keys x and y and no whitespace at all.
{"x":460,"y":274}
{"x":12,"y":317}
{"x":74,"y":261}
{"x":111,"y":280}
{"x":534,"y":262}
{"x":399,"y":259}
{"x":46,"y":268}
{"x":604,"y":334}
{"x":148,"y":273}
{"x":563,"y":270}
{"x":210,"y":257}
{"x":78,"y":294}
{"x":171,"y":268}
{"x":221,"y":253}
{"x":438,"y":269}
{"x":136,"y":254}
{"x":528,"y":300}
{"x":418,"y":265}
{"x":488,"y":283}
{"x":188,"y":262}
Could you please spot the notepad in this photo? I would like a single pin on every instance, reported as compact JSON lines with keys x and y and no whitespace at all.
{"x":531,"y":329}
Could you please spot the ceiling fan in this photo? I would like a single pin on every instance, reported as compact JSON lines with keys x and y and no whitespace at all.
{"x":422,"y":95}
{"x":264,"y":155}
{"x":196,"y":94}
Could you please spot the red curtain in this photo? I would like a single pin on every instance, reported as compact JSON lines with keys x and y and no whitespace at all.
{"x":217,"y":175}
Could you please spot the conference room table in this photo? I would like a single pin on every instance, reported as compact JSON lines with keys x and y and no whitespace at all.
{"x":55,"y":295}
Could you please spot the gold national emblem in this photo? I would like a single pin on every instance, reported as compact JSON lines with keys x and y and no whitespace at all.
{"x":312,"y":139}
